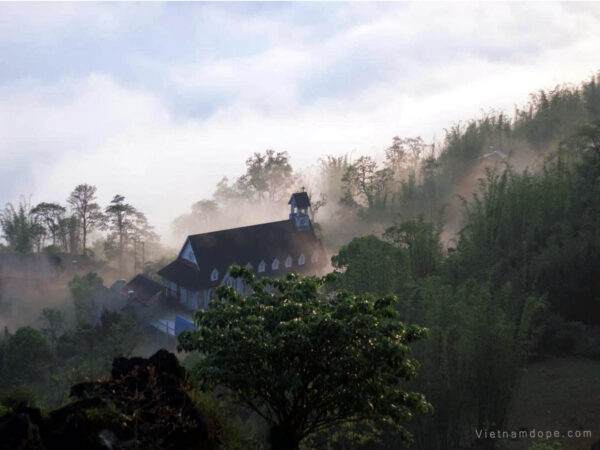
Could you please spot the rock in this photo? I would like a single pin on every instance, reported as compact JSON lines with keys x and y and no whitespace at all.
{"x":143,"y":405}
{"x":166,"y":363}
{"x":21,"y":430}
{"x":122,"y":366}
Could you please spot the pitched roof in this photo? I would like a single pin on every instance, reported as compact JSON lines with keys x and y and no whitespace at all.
{"x":242,"y":246}
{"x":143,"y":287}
{"x":184,"y":274}
{"x":301,"y":199}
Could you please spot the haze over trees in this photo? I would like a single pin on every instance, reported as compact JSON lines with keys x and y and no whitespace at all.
{"x":490,"y":240}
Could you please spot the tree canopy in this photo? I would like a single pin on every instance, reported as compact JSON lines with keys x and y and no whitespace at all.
{"x":304,"y":362}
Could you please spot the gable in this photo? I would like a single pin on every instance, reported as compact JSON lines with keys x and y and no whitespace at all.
{"x":187,"y":252}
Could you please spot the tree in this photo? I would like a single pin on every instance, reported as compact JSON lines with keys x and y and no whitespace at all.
{"x":26,"y":354}
{"x":202,"y":215}
{"x":370,"y":265}
{"x":83,"y":202}
{"x":268,"y":178}
{"x":123,"y":220}
{"x":404,"y":153}
{"x":422,"y":241}
{"x":81,"y":288}
{"x":19,"y":227}
{"x":50,"y":214}
{"x":305,"y":363}
{"x":364,"y":183}
{"x":53,"y":323}
{"x":68,"y":233}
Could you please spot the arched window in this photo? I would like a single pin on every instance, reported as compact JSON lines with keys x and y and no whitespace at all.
{"x":261,"y":267}
{"x":314,"y":258}
{"x":214,"y":276}
{"x":301,"y":259}
{"x":275,"y":264}
{"x":288,"y":261}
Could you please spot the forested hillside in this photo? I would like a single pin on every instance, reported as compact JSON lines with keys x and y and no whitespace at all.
{"x":490,"y":240}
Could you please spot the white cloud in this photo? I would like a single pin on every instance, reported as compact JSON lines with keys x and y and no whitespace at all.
{"x":408,"y":69}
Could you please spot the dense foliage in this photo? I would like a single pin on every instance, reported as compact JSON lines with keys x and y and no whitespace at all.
{"x":303,"y":362}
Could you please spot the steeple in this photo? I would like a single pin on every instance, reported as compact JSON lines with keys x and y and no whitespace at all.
{"x":299,"y":205}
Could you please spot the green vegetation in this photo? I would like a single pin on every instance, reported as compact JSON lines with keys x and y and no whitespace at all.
{"x":305,"y":363}
{"x":489,"y":239}
{"x":47,"y":361}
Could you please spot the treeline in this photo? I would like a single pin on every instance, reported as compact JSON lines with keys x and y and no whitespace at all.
{"x":353,"y":196}
{"x":56,"y":228}
{"x":520,"y":284}
{"x":417,"y":179}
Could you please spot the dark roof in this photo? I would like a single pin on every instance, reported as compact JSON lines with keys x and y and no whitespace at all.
{"x":301,"y":199}
{"x":242,"y":246}
{"x":143,"y":287}
{"x":184,"y":274}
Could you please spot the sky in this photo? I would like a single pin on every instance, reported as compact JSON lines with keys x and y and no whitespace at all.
{"x":158,"y":101}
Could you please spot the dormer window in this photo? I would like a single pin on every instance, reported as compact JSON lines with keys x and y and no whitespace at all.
{"x":261,"y":267}
{"x":301,"y":259}
{"x":214,"y":276}
{"x":314,"y":258}
{"x":288,"y":261}
{"x":275,"y":264}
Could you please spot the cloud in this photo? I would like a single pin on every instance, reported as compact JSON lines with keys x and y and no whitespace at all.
{"x":157,"y":102}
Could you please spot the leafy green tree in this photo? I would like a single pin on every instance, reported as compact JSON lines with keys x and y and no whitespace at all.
{"x":268,"y":178}
{"x":127,"y":225}
{"x":120,"y":218}
{"x":118,"y":335}
{"x":83,"y":202}
{"x":369,"y":264}
{"x":305,"y":363}
{"x":81,"y":288}
{"x":68,"y":234}
{"x":50,"y":214}
{"x":26,"y":355}
{"x":53,"y":324}
{"x":422,"y":242}
{"x":19,"y":227}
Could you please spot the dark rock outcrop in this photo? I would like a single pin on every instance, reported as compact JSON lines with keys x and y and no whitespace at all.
{"x":144,"y":405}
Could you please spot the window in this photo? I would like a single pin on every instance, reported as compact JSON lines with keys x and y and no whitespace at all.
{"x":275,"y":264}
{"x":314,"y":258}
{"x":288,"y":261}
{"x":214,"y":276}
{"x":301,"y":259}
{"x":261,"y":267}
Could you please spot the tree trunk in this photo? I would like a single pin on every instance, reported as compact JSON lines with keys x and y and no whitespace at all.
{"x":283,"y":437}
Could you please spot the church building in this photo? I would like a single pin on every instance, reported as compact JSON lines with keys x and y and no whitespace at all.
{"x":270,"y":249}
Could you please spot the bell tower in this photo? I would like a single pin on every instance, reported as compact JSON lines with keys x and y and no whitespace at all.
{"x":299,"y":205}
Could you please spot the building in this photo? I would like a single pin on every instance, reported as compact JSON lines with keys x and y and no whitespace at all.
{"x":270,"y":249}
